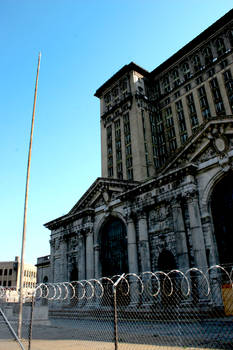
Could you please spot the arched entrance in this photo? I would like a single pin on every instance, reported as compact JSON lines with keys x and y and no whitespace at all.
{"x":113,"y":248}
{"x":222,"y":214}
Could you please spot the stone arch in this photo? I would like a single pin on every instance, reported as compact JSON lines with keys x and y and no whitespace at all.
{"x":112,"y":239}
{"x":205,"y":200}
{"x":114,"y":214}
{"x":221,"y":206}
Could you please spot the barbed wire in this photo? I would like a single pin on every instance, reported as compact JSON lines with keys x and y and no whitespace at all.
{"x":151,"y":283}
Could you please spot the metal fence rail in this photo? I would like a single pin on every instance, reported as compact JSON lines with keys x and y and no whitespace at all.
{"x":192,"y":308}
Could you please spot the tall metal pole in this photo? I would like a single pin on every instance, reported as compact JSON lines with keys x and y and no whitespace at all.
{"x":25,"y":209}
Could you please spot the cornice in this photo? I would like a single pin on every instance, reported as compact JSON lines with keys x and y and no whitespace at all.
{"x":159,"y":181}
{"x":66,"y":219}
{"x":207,"y":33}
{"x":125,"y":69}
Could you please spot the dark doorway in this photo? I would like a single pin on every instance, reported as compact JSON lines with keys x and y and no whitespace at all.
{"x":222,"y":213}
{"x":169,"y":293}
{"x":166,"y":261}
{"x":114,"y":259}
{"x":74,"y":273}
{"x":113,"y":253}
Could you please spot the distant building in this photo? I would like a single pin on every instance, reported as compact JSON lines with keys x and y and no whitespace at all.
{"x":10,"y":277}
{"x":165,"y":197}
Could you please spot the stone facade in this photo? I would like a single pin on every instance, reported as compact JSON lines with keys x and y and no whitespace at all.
{"x":167,"y":153}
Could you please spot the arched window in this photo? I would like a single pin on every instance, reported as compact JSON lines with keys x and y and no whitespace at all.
{"x":220,"y":47}
{"x":208,"y":56}
{"x":186,"y":70}
{"x":196,"y":63}
{"x":113,"y":248}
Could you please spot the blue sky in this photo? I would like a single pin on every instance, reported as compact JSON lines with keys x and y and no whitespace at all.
{"x":83,"y":43}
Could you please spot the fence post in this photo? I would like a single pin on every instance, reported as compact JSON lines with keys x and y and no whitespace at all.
{"x":115,"y":311}
{"x":30,"y":327}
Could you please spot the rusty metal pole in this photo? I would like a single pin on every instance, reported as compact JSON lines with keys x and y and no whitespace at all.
{"x":25,"y":210}
{"x":116,"y":335}
{"x":31,"y":322}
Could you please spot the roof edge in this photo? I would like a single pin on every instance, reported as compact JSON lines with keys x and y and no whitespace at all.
{"x":127,"y":68}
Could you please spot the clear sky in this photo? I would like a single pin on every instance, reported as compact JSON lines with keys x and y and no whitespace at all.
{"x":83,"y":42}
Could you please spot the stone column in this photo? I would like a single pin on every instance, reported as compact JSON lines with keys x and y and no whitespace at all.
{"x":82,"y":258}
{"x":132,"y":246}
{"x":180,"y":236}
{"x":64,"y":263}
{"x":97,"y":260}
{"x":209,"y":238}
{"x":199,"y":249}
{"x":143,"y":242}
{"x":214,"y":274}
{"x":89,"y":255}
{"x":198,"y":242}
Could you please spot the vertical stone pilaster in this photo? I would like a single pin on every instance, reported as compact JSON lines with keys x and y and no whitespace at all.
{"x":132,"y":246}
{"x":97,"y":261}
{"x":209,"y":238}
{"x":64,"y":263}
{"x":82,"y":258}
{"x":143,"y":242}
{"x":216,"y":292}
{"x":198,"y":241}
{"x":89,"y":255}
{"x":52,"y":252}
{"x":180,"y":236}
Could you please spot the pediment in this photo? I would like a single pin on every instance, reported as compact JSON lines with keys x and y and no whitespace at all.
{"x":102,"y":192}
{"x":212,"y":139}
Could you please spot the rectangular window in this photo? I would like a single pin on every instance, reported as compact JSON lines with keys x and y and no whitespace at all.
{"x":219,"y":106}
{"x":130,"y":174}
{"x":227,"y":75}
{"x":206,"y":113}
{"x":110,"y":172}
{"x":183,"y":137}
{"x":172,"y":145}
{"x":171,"y":133}
{"x":199,"y":80}
{"x":211,"y":72}
{"x":201,"y":91}
{"x":9,"y":283}
{"x":223,"y":64}
{"x":177,"y":94}
{"x":5,"y":272}
{"x":0,"y":272}
{"x":179,"y":105}
{"x":10,"y":272}
{"x":129,"y":162}
{"x":166,"y":84}
{"x":187,"y":87}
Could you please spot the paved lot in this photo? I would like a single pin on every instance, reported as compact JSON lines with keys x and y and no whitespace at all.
{"x":84,"y":345}
{"x":98,"y":335}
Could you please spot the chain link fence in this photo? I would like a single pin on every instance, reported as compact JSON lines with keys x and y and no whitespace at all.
{"x":153,"y":310}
